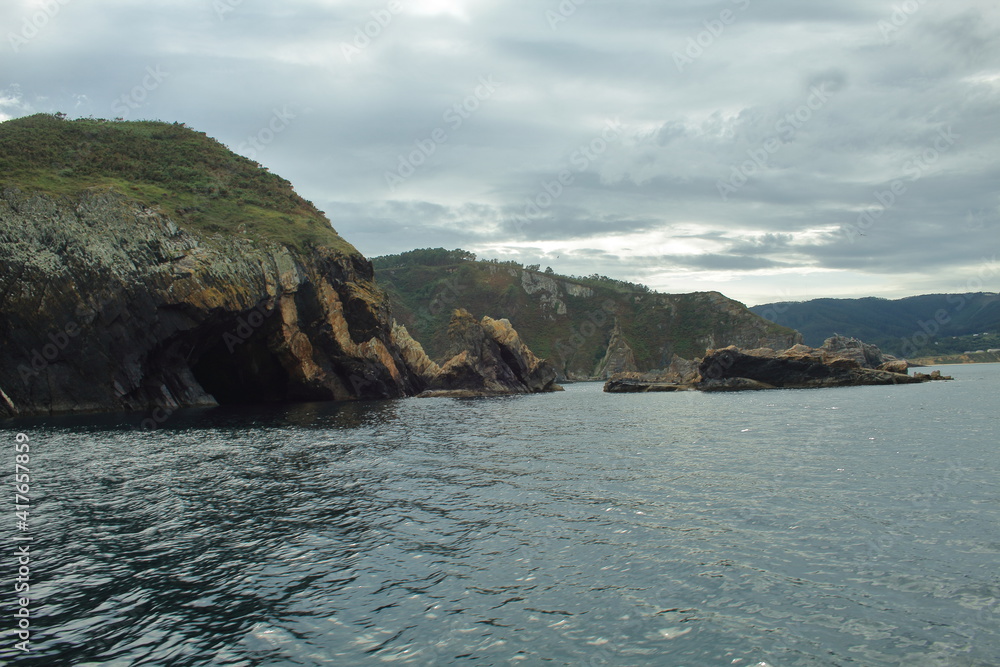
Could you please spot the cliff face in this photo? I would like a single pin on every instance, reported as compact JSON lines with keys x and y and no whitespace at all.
{"x":108,"y":304}
{"x":588,"y":327}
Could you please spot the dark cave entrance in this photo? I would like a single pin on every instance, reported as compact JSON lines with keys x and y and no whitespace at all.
{"x":237,"y":370}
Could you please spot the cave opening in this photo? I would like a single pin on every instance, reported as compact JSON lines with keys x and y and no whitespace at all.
{"x":247,"y":372}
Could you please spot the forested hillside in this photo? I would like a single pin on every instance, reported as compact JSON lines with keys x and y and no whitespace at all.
{"x":928,"y":325}
{"x":588,"y":326}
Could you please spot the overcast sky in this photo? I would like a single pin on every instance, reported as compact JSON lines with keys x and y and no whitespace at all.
{"x":768,"y":149}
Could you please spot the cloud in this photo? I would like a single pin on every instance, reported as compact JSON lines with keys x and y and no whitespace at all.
{"x":743,"y":166}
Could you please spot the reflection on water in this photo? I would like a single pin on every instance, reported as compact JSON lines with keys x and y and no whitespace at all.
{"x":823,"y":527}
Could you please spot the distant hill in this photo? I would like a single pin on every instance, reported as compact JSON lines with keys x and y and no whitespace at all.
{"x":920,"y":326}
{"x":588,"y":326}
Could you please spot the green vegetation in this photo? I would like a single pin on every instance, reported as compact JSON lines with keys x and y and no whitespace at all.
{"x":423,"y":257}
{"x":920,"y":326}
{"x":566,"y":319}
{"x":971,"y":358}
{"x":192,"y":178}
{"x":442,"y":257}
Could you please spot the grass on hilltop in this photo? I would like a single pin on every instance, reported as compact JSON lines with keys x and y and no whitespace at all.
{"x":189,"y":176}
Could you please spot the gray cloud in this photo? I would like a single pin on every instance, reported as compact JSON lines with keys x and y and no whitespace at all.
{"x":808,"y":111}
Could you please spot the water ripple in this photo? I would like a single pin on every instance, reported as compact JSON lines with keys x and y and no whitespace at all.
{"x":576,"y":528}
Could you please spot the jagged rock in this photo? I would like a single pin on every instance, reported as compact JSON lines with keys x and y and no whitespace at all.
{"x":865,"y":354}
{"x":413,"y":353}
{"x":680,"y":374}
{"x":683,"y":371}
{"x":571,"y":321}
{"x":729,"y":367}
{"x":191,"y":276}
{"x":620,"y":385}
{"x":840,"y":362}
{"x":734,"y":384}
{"x":489,"y":359}
{"x":934,"y":376}
{"x":619,"y":357}
{"x":895,"y":366}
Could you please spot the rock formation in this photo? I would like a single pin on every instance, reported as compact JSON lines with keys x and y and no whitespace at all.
{"x":619,"y":357}
{"x":143,"y":265}
{"x":106,"y":304}
{"x":488,"y":358}
{"x":589,"y":327}
{"x":679,"y":374}
{"x":839,"y":362}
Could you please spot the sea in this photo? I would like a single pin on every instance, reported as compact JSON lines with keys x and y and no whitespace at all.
{"x":847,"y":526}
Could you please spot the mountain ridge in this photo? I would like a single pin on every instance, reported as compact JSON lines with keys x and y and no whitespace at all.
{"x":926,"y":325}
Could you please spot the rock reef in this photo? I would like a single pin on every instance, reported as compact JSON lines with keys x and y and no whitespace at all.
{"x":839,"y":362}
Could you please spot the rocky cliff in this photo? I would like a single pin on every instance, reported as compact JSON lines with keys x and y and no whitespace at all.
{"x":106,"y":303}
{"x":487,"y":357}
{"x":619,"y":357}
{"x":143,"y":265}
{"x":589,"y":327}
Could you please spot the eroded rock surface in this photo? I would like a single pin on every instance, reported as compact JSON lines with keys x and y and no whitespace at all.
{"x":108,"y":305}
{"x":488,"y":358}
{"x":839,"y":362}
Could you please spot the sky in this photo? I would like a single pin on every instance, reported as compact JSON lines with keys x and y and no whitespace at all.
{"x":771,"y":150}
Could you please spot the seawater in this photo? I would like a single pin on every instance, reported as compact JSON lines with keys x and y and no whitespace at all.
{"x":853,"y":526}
